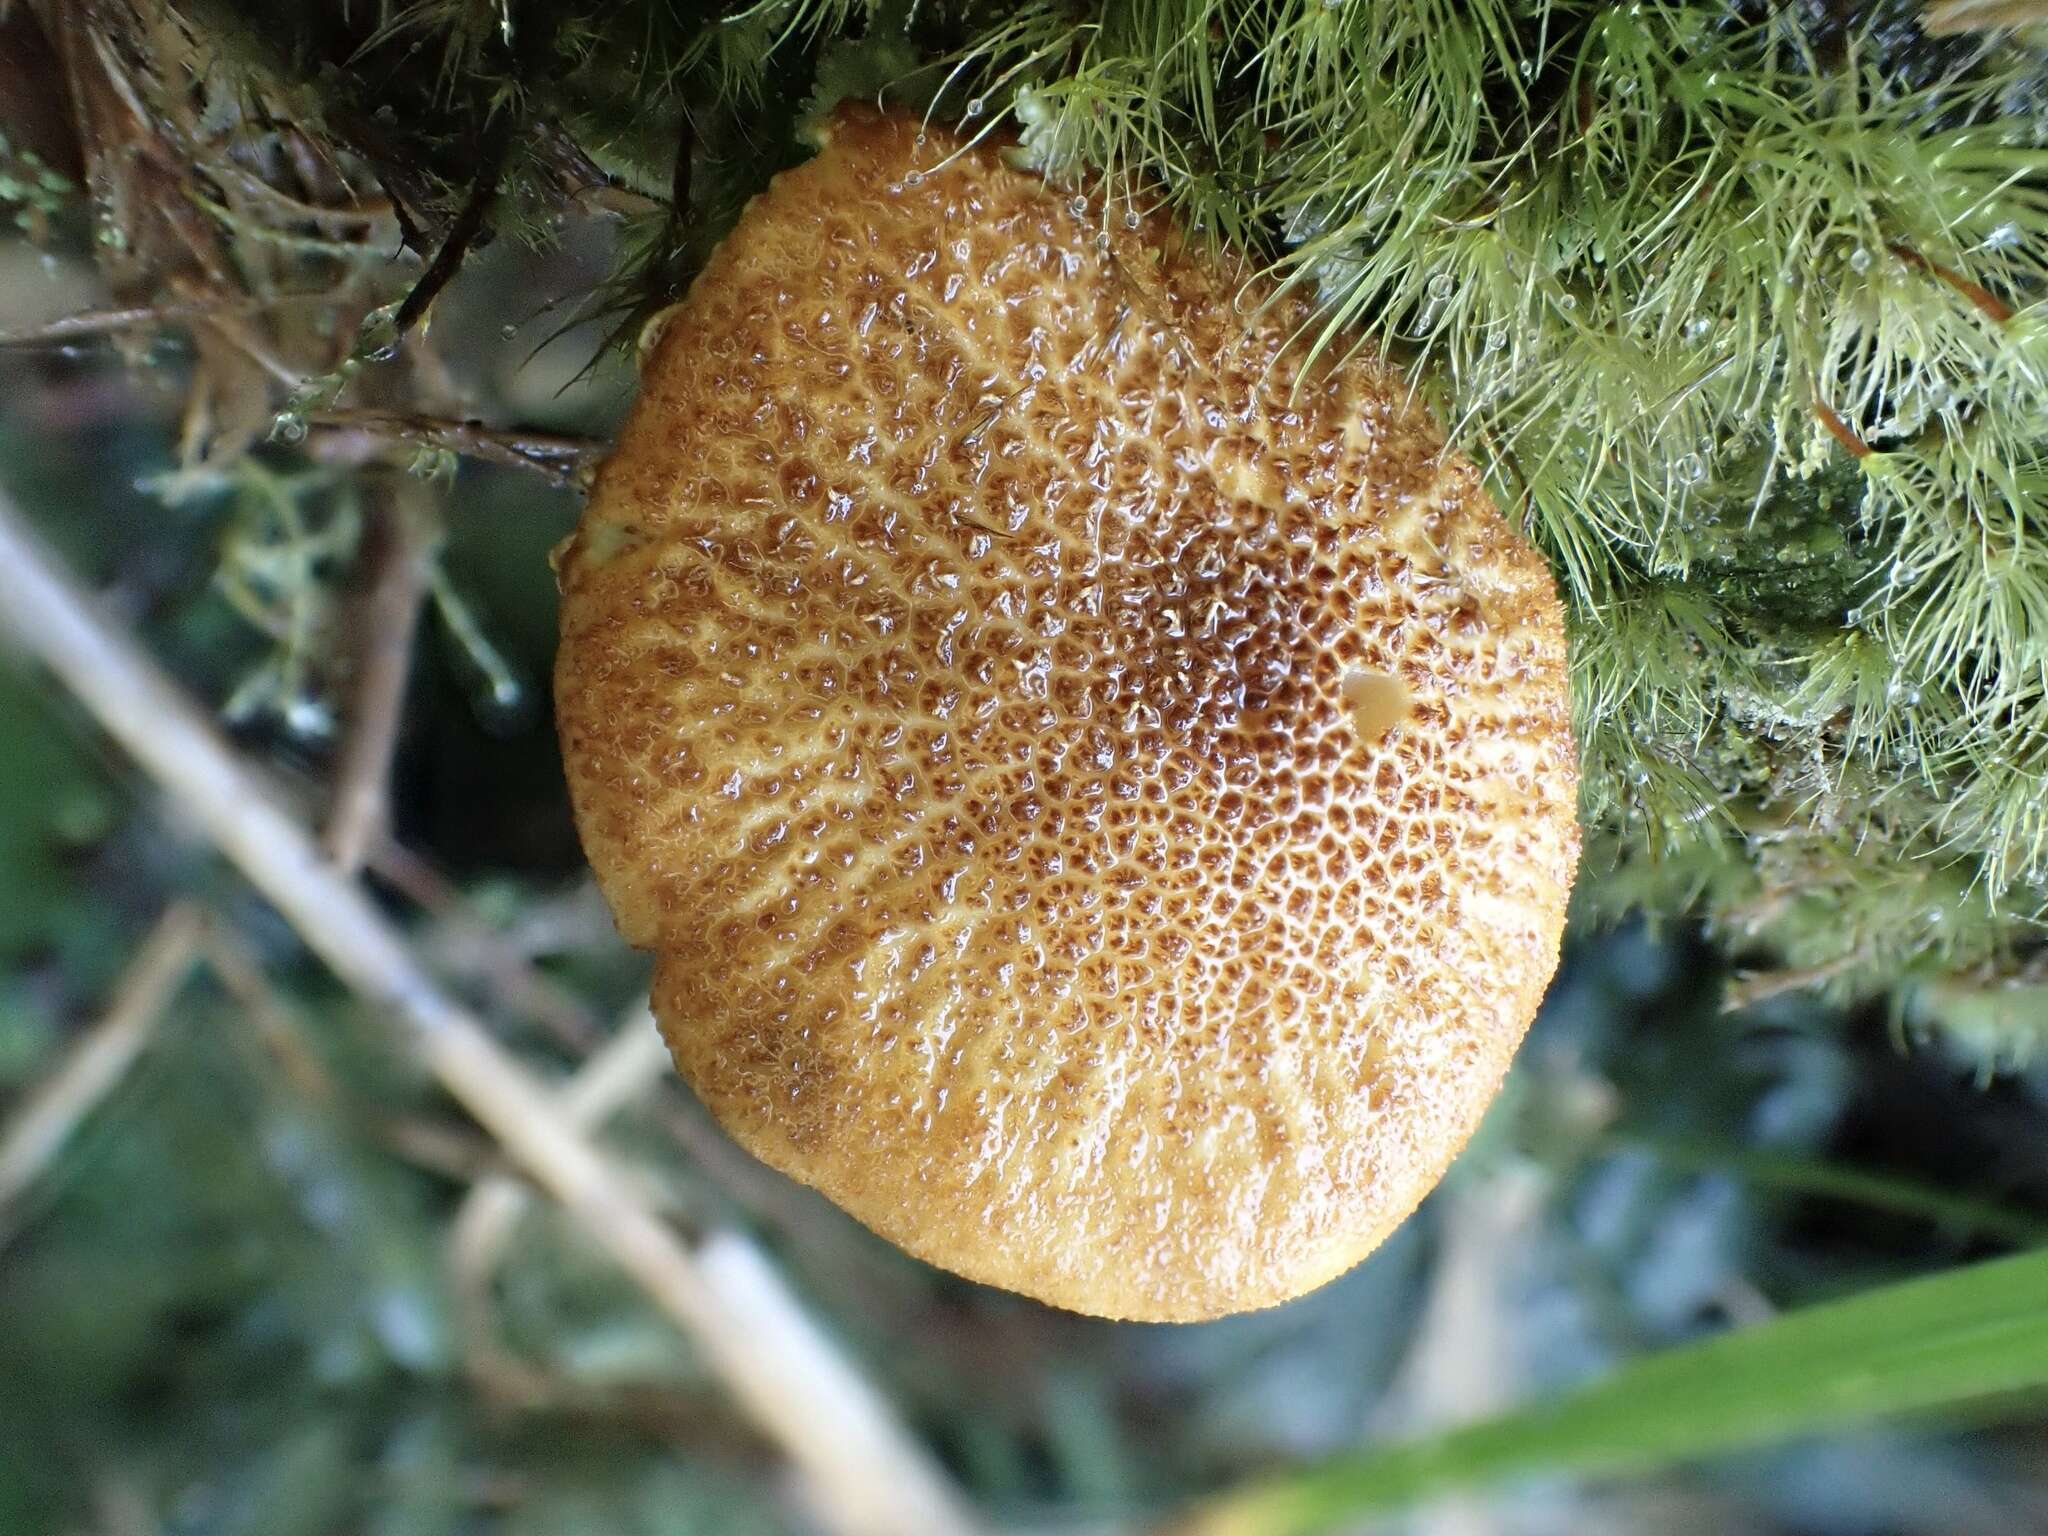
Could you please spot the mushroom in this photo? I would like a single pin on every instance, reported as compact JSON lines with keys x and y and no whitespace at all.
{"x":1098,"y":785}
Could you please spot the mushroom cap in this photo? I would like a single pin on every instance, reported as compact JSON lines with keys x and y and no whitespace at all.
{"x":1098,"y":788}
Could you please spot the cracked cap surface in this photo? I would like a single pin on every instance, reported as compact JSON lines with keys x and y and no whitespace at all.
{"x":1099,"y":794}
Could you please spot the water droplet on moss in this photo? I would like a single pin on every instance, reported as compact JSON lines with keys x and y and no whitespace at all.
{"x":1690,"y":468}
{"x":1442,"y":286}
{"x":1859,"y":259}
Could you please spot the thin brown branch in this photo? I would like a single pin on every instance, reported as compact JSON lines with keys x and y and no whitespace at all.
{"x":1946,"y":18}
{"x":232,"y":328}
{"x":494,"y":146}
{"x":1983,"y":299}
{"x":106,"y":322}
{"x":450,"y":1150}
{"x":1749,"y":988}
{"x":463,"y":944}
{"x":633,"y":1060}
{"x":276,"y":1023}
{"x":866,"y":1476}
{"x":568,"y":461}
{"x":101,"y":1056}
{"x":387,"y":620}
{"x":1839,"y":429}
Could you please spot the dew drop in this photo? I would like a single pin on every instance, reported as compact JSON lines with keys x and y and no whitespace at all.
{"x":914,"y":179}
{"x":1377,"y":703}
{"x":308,"y":718}
{"x":508,"y":331}
{"x":1690,"y":468}
{"x":1859,"y":259}
{"x":288,"y":427}
{"x":975,"y":106}
{"x":1442,"y":286}
{"x":1078,"y":207}
{"x":1568,"y":302}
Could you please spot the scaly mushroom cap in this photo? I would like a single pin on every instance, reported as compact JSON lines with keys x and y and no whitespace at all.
{"x":1099,"y":794}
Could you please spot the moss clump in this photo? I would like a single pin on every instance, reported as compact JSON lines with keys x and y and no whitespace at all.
{"x":1742,"y":306}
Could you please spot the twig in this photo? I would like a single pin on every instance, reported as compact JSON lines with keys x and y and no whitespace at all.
{"x":276,"y":1023}
{"x":865,"y":1473}
{"x":1945,"y":18}
{"x":566,"y":460}
{"x":1749,"y":988}
{"x":1461,"y":1363}
{"x":1839,"y":429}
{"x":387,"y":621}
{"x":106,"y":322}
{"x":465,"y":945}
{"x":494,"y":145}
{"x":618,"y":1073}
{"x":102,"y":1055}
{"x":1986,"y":302}
{"x":761,"y":1191}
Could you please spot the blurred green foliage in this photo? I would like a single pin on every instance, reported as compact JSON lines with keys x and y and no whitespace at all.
{"x":236,"y":1302}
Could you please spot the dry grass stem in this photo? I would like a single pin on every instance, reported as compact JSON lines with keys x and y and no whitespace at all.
{"x":100,"y":1057}
{"x":387,"y":620}
{"x":866,"y":1476}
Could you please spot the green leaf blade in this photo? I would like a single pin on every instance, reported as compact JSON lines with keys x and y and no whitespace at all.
{"x":1953,"y":1341}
